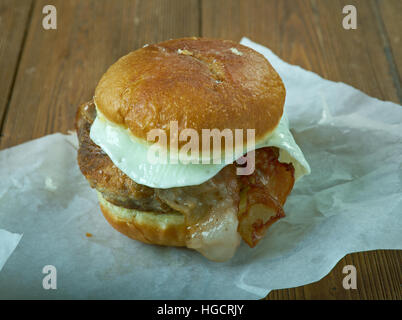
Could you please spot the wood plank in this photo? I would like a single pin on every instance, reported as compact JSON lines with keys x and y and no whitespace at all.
{"x":378,"y":277}
{"x":60,"y":68}
{"x":14,"y":18}
{"x":310,"y":34}
{"x":391,"y":22}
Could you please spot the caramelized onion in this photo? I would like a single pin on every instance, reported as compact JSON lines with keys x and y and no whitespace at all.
{"x":263,"y":194}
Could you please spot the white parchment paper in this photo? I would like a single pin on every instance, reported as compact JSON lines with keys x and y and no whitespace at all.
{"x":8,"y":243}
{"x":352,"y":201}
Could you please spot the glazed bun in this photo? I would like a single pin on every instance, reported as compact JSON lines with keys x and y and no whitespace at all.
{"x":166,"y":229}
{"x":200,"y":83}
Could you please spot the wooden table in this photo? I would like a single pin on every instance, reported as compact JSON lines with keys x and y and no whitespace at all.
{"x":45,"y":74}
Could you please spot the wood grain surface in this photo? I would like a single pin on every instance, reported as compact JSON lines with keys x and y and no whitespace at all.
{"x":14,"y":17}
{"x":45,"y":74}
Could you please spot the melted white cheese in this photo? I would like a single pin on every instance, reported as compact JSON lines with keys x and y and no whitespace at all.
{"x":217,"y":238}
{"x":131,"y":156}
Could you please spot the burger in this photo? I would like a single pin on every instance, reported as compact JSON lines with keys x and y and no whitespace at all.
{"x":199,"y":85}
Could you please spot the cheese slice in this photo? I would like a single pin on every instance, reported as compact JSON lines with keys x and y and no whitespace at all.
{"x":131,"y":156}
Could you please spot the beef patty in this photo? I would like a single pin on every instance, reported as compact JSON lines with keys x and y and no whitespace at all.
{"x":115,"y":186}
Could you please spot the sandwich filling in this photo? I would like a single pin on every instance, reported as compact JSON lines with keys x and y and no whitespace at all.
{"x":116,"y":140}
{"x":218,"y":210}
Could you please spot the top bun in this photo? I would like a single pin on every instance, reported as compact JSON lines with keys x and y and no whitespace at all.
{"x":200,"y":83}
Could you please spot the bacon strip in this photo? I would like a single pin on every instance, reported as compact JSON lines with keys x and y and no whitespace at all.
{"x":263,"y":194}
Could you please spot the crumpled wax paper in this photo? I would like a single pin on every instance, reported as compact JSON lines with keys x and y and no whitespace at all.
{"x":8,"y":243}
{"x":352,"y":201}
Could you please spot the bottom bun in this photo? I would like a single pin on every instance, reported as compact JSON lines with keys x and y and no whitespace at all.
{"x":167,"y":229}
